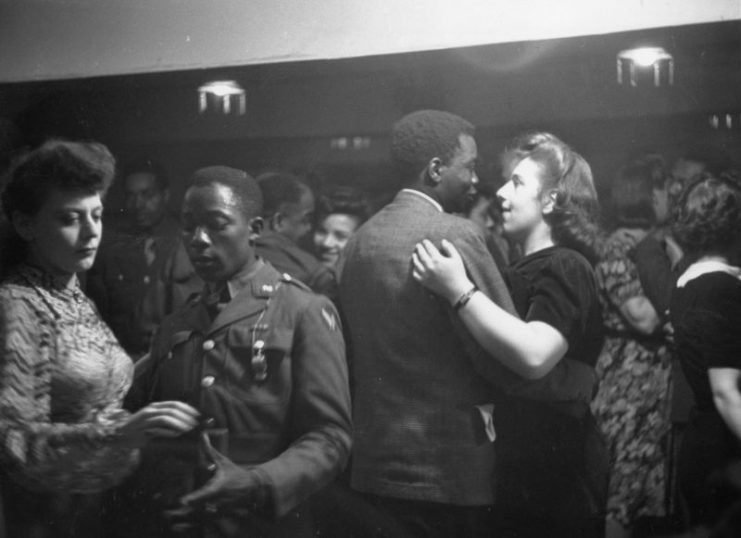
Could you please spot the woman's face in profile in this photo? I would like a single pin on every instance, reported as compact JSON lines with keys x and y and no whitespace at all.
{"x":331,"y":236}
{"x":64,"y":235}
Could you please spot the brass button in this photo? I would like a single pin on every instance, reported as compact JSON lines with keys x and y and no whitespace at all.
{"x":208,"y":345}
{"x":207,"y":381}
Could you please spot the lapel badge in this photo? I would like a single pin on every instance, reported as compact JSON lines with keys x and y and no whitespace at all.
{"x":259,"y":362}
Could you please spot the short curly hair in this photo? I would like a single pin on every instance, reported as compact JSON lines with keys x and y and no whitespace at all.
{"x":85,"y":167}
{"x":707,"y":218}
{"x":56,"y":165}
{"x":345,"y":201}
{"x":575,"y":217}
{"x":243,"y":185}
{"x":147,"y":165}
{"x":423,"y":135}
{"x":280,"y":188}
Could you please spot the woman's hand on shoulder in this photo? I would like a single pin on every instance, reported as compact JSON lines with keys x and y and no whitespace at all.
{"x":158,"y":419}
{"x":442,"y":271}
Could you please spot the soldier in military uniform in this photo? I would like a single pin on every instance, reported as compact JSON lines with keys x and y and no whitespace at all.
{"x":263,"y":359}
{"x":141,"y":272}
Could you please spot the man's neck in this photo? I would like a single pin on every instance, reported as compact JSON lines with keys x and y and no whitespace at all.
{"x":427,"y":191}
{"x":240,"y":279}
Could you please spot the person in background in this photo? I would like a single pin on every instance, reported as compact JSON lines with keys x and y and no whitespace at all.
{"x":633,"y":403}
{"x":142,"y":273}
{"x":288,"y":212}
{"x":551,"y":459}
{"x":484,"y":211}
{"x":340,"y":213}
{"x":64,"y":436}
{"x":423,"y":388}
{"x":263,"y":359}
{"x":706,"y":315}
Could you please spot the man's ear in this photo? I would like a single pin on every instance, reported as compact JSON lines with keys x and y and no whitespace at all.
{"x":256,"y":226}
{"x":23,"y":225}
{"x":432,"y":171}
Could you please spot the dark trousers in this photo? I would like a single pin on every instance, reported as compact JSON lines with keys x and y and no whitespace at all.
{"x":708,"y":448}
{"x":552,"y":474}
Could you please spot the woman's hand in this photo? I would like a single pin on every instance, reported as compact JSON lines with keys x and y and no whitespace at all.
{"x":441,"y":271}
{"x":158,"y":419}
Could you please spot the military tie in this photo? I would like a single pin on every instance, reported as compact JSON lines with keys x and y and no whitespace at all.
{"x":150,"y":250}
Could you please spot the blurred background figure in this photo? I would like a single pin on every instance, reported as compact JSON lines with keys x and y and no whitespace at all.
{"x":706,"y":316}
{"x":128,"y":282}
{"x":632,"y":405}
{"x":288,"y":211}
{"x":339,"y":214}
{"x":485,"y":212}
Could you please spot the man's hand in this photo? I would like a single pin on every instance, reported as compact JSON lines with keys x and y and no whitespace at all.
{"x":230,"y":487}
{"x":232,"y":492}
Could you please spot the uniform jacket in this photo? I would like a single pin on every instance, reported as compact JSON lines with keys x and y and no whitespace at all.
{"x":132,"y":296}
{"x":287,"y":411}
{"x":288,"y":257}
{"x":418,"y":374}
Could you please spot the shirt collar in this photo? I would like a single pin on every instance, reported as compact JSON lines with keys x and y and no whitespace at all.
{"x":703,"y":267}
{"x":426,"y":197}
{"x":38,"y":277}
{"x":237,"y":283}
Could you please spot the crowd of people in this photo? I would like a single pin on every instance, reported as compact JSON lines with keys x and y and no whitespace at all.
{"x":465,"y":361}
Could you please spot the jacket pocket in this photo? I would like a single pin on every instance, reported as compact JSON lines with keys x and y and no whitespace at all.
{"x":259,"y":363}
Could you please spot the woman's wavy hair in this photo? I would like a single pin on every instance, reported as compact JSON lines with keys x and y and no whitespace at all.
{"x":345,"y":201}
{"x":61,"y":165}
{"x":707,"y":217}
{"x":575,"y":217}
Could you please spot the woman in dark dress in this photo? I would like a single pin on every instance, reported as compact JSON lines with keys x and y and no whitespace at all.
{"x":706,"y":316}
{"x":551,"y":461}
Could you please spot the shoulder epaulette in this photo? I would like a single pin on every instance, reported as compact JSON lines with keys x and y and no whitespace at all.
{"x":288,"y":279}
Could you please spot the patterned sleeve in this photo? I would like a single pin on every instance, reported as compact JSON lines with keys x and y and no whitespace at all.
{"x":617,"y":276}
{"x":34,"y":451}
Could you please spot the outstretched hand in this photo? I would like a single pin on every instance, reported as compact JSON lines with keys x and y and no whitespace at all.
{"x":158,"y":419}
{"x":442,"y":271}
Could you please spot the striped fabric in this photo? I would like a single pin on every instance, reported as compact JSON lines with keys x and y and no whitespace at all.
{"x":63,"y":377}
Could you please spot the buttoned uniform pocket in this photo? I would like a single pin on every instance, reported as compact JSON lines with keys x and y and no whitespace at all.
{"x":178,"y":369}
{"x":260,"y":378}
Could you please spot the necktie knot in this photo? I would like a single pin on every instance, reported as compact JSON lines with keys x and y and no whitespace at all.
{"x":150,"y":249}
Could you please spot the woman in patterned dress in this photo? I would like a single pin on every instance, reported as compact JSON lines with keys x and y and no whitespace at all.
{"x":632,"y":404}
{"x":63,"y":434}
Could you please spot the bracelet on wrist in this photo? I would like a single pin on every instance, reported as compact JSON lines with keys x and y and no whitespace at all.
{"x":464,"y":298}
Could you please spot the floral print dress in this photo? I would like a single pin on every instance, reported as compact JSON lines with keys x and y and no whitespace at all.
{"x":632,"y":405}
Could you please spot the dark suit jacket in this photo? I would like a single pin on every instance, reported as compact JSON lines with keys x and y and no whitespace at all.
{"x":418,"y":374}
